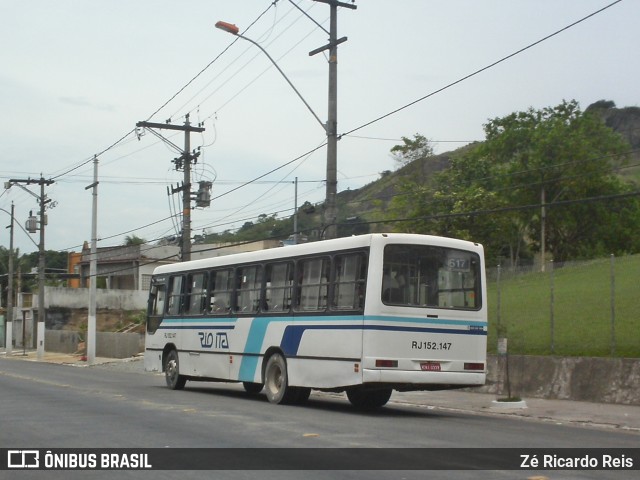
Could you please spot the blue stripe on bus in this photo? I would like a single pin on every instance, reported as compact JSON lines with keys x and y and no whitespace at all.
{"x":292,"y":336}
{"x":258,"y":330}
{"x":293,"y":333}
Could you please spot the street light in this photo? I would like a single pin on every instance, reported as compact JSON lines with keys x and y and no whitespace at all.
{"x":234,"y":30}
{"x":330,"y":128}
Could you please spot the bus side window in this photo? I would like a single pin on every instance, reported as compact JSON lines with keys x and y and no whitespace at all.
{"x":248,"y":288}
{"x":278,"y":287}
{"x":176,"y":293}
{"x":156,"y":307}
{"x":350,"y":272}
{"x":313,"y":284}
{"x":220,"y":288}
{"x":197,"y":286}
{"x":156,"y":303}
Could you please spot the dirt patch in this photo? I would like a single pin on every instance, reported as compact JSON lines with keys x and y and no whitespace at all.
{"x":107,"y":320}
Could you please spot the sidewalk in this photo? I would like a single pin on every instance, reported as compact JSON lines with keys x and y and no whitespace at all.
{"x":60,"y":358}
{"x":587,"y":414}
{"x":596,"y":415}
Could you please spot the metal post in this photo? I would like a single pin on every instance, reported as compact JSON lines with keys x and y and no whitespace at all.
{"x":93,"y":270}
{"x":498,"y":303}
{"x":24,"y":332}
{"x":613,"y":306}
{"x":543,"y":223}
{"x":551,"y":307}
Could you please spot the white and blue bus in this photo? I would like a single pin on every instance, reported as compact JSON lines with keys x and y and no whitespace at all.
{"x":364,"y":315}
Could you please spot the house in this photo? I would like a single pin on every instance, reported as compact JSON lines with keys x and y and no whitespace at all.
{"x":130,"y":267}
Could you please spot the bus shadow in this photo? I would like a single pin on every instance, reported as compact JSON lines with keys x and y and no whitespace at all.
{"x":328,"y":402}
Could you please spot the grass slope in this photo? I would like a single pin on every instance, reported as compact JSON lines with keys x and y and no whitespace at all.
{"x":581,"y":313}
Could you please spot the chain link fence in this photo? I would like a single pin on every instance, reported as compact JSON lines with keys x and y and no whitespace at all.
{"x":588,"y":308}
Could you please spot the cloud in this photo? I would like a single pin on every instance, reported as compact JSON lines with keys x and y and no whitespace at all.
{"x":84,"y":102}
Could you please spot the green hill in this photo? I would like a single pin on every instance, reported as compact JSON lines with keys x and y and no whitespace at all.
{"x":364,"y":210}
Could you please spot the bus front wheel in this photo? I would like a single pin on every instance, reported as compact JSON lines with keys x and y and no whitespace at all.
{"x":276,"y":381}
{"x":368,"y":399}
{"x":175,"y":381}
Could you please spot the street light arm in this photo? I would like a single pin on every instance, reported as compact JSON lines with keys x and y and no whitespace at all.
{"x":11,"y":183}
{"x":227,"y":27}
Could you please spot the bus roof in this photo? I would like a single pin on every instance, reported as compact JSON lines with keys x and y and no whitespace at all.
{"x":345,"y":243}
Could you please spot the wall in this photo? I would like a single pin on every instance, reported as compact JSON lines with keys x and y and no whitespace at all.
{"x":118,"y":345}
{"x":74,"y":298}
{"x":108,"y":344}
{"x":602,"y":380}
{"x":61,"y":341}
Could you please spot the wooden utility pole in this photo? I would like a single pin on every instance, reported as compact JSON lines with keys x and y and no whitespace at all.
{"x":182,"y":163}
{"x":331,"y":209}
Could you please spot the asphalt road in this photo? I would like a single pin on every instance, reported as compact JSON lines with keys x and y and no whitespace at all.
{"x":60,"y":406}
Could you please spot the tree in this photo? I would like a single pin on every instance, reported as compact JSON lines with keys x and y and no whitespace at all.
{"x":133,"y":240}
{"x":493,"y":193}
{"x":411,"y":150}
{"x":560,"y":154}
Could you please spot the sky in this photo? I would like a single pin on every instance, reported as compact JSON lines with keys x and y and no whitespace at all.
{"x":76,"y":76}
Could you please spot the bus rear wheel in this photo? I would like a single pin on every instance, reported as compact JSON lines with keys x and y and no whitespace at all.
{"x":364,"y":399}
{"x":175,"y":381}
{"x":276,"y":381}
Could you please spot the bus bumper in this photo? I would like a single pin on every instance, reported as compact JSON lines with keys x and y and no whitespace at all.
{"x":421,"y":379}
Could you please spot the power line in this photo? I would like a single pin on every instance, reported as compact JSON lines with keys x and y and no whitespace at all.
{"x":210,"y":63}
{"x":503,"y":59}
{"x":348,"y":133}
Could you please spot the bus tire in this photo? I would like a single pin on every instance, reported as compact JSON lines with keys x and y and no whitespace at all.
{"x":368,"y":399}
{"x":175,"y":381}
{"x":252,"y":388}
{"x":276,"y":381}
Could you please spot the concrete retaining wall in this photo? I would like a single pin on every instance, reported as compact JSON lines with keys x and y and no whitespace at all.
{"x":109,"y":345}
{"x":118,"y":345}
{"x":602,"y":380}
{"x":74,"y":298}
{"x":61,"y":341}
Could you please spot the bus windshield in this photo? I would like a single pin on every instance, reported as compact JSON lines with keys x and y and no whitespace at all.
{"x":430,"y":276}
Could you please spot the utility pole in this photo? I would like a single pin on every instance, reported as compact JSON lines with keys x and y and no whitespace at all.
{"x":43,"y":201}
{"x":331,"y":209}
{"x":93,"y":269}
{"x":9,"y":323}
{"x":182,"y":162}
{"x":295,"y":213}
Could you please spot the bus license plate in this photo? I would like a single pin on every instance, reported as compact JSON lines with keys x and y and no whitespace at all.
{"x":430,"y":366}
